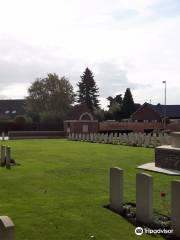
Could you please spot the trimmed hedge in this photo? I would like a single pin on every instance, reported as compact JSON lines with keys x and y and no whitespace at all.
{"x":35,"y":134}
{"x":13,"y":126}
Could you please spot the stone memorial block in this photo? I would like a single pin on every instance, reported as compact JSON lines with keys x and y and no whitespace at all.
{"x":168,"y":156}
{"x":144,"y":198}
{"x":175,"y":208}
{"x":116,"y":189}
{"x":3,"y":155}
{"x":7,"y":228}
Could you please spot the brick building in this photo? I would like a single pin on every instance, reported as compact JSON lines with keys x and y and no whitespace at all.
{"x":81,"y":119}
{"x":155,"y":113}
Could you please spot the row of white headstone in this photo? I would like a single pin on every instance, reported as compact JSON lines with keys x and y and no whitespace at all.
{"x":130,"y":139}
{"x":144,"y":198}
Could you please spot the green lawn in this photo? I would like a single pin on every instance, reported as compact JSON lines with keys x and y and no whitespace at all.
{"x":60,"y":187}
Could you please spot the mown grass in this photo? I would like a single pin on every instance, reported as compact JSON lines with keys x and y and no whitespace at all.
{"x":60,"y":188}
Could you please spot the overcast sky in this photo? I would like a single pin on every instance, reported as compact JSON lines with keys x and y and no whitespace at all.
{"x":126,"y":43}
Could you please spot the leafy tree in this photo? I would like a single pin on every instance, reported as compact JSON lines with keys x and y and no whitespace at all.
{"x":118,"y":98}
{"x":51,"y":94}
{"x":128,"y":106}
{"x":88,"y":91}
{"x":115,"y":105}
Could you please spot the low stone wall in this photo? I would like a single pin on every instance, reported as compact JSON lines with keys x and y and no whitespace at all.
{"x":167,"y":157}
{"x":35,"y":134}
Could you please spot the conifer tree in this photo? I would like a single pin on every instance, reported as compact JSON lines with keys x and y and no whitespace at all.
{"x":128,"y":106}
{"x":88,"y":91}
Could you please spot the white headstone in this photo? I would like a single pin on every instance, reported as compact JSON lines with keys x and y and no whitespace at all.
{"x":116,"y":189}
{"x":144,"y":198}
{"x":7,"y":228}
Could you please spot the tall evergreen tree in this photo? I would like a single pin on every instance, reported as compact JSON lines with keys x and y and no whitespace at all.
{"x":128,"y":106}
{"x":88,"y":92}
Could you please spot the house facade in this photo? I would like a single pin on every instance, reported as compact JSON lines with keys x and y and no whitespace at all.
{"x":156,"y":113}
{"x":146,"y":113}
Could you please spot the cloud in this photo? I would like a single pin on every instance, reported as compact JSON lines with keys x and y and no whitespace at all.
{"x":126,"y":44}
{"x":113,"y":79}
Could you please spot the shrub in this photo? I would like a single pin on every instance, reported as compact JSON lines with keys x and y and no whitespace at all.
{"x":20,"y":119}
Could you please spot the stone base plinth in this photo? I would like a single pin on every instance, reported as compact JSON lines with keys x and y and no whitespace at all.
{"x":167,"y":157}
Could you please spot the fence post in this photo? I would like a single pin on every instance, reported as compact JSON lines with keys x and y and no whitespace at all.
{"x":116,"y":189}
{"x":144,"y":198}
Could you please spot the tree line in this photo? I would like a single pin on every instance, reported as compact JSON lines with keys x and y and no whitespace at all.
{"x":51,"y":98}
